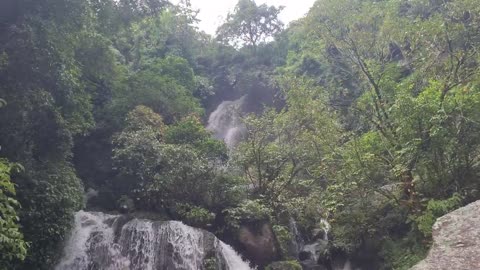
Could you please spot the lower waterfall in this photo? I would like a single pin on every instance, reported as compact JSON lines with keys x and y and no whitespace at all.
{"x":113,"y":242}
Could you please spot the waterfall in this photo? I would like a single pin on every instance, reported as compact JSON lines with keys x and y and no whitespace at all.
{"x":232,"y":259}
{"x":226,"y":123}
{"x":113,"y":242}
{"x":326,"y":228}
{"x":296,"y":239}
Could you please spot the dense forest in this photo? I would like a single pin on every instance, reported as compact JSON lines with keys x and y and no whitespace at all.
{"x":360,"y":123}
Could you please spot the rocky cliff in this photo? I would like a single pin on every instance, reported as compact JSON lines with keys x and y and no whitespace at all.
{"x":456,"y":241}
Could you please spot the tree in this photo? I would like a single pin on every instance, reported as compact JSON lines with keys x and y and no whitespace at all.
{"x":285,"y":154}
{"x":12,"y":244}
{"x":418,"y":86}
{"x":136,"y":150}
{"x":165,"y":85}
{"x":190,"y":131}
{"x":167,"y":166}
{"x":49,"y":104}
{"x":250,"y":24}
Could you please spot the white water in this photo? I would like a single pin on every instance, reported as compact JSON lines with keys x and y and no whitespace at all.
{"x":92,"y":231}
{"x":232,"y":259}
{"x":102,"y":242}
{"x":326,"y":228}
{"x":297,"y":240}
{"x":226,"y":122}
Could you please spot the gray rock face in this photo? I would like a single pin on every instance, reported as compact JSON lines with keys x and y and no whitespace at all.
{"x":456,"y":243}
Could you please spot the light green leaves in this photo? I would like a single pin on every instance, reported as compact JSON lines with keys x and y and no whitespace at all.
{"x":250,"y":24}
{"x":12,"y":244}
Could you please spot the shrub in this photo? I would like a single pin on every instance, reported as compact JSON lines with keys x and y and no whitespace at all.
{"x":249,"y":211}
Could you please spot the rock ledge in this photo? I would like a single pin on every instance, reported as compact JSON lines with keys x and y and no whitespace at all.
{"x":456,"y":241}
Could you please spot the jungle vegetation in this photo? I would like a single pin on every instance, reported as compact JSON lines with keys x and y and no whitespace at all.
{"x":373,"y":124}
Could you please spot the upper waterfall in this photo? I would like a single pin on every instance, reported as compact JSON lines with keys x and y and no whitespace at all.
{"x":113,"y":242}
{"x":226,"y":123}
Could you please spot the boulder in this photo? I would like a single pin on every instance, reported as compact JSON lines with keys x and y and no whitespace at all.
{"x":259,"y":243}
{"x":456,"y":241}
{"x":314,"y":250}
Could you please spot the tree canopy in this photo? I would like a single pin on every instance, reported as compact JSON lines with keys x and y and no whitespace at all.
{"x":250,"y":24}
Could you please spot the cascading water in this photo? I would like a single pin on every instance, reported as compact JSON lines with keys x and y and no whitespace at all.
{"x":312,"y":251}
{"x":113,"y":242}
{"x":326,"y":228}
{"x":226,"y":123}
{"x":297,"y":242}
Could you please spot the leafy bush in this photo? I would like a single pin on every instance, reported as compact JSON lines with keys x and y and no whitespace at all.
{"x":249,"y":211}
{"x":190,"y":130}
{"x":194,"y":215}
{"x":434,"y":210}
{"x":402,"y":254}
{"x":284,"y":265}
{"x":50,"y":197}
{"x":12,"y":244}
{"x":283,"y":238}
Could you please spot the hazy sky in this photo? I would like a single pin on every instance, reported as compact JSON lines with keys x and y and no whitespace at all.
{"x":213,"y":12}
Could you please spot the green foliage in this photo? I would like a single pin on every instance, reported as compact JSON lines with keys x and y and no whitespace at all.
{"x":165,"y":85}
{"x":170,"y":166}
{"x":284,"y":153}
{"x":194,"y":215}
{"x":434,"y":210}
{"x":137,"y":152}
{"x":284,"y":238}
{"x":376,"y":129}
{"x":12,"y":244}
{"x":284,"y":265}
{"x":68,"y":68}
{"x":48,"y":106}
{"x":250,"y":24}
{"x":402,"y":254}
{"x":170,"y":32}
{"x":191,"y":131}
{"x":143,"y":117}
{"x":50,"y":196}
{"x":402,"y":161}
{"x":249,"y":211}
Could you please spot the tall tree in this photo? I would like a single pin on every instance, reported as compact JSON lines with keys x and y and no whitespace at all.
{"x":250,"y":24}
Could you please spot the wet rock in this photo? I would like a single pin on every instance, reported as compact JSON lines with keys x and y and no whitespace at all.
{"x":259,"y":243}
{"x":314,"y":250}
{"x":456,"y":241}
